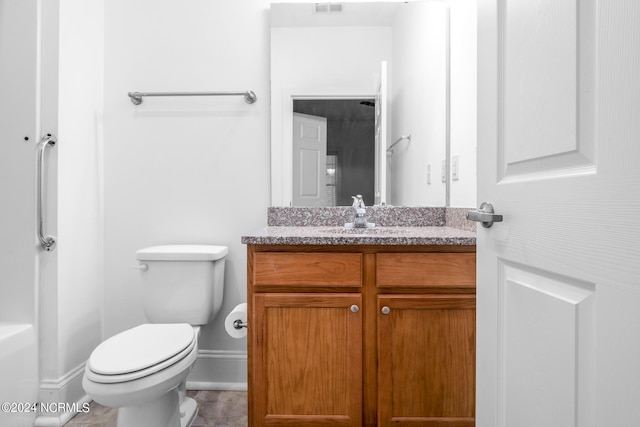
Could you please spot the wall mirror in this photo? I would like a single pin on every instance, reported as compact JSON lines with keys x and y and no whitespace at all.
{"x":383,"y":59}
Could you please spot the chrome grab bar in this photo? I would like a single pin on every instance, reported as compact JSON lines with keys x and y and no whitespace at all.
{"x":47,"y":242}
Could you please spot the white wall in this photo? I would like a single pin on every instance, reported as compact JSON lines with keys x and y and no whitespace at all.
{"x":340,"y":59}
{"x":184,"y":170}
{"x":464,"y":100}
{"x":80,"y":179}
{"x":418,"y":104}
{"x":79,"y":175}
{"x":71,"y":299}
{"x":422,"y":117}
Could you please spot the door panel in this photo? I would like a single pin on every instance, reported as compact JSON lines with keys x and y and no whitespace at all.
{"x":426,"y":351}
{"x":539,"y":311}
{"x":548,"y":86}
{"x":308,"y":349}
{"x":540,"y":46}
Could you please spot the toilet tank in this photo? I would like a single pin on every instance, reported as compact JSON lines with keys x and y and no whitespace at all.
{"x":182,"y":283}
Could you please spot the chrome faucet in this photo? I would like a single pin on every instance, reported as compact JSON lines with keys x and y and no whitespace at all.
{"x":360,"y":219}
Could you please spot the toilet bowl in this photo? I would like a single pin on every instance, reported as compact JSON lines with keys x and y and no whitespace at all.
{"x":142,"y":371}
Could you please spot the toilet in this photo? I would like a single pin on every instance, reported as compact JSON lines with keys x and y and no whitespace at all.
{"x":142,"y":371}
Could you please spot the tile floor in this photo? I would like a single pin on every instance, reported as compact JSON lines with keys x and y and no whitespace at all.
{"x":215,"y":408}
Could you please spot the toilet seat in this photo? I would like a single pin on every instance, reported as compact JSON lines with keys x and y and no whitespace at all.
{"x":140,"y":351}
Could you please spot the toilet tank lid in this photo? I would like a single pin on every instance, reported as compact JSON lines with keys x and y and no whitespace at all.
{"x":182,"y":253}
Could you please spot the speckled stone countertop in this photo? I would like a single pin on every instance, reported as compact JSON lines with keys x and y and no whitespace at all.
{"x":393,"y":226}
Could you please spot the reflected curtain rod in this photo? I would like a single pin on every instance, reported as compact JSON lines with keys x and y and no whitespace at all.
{"x":390,"y":149}
{"x":137,"y":97}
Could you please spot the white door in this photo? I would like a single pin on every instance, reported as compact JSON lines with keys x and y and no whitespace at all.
{"x":309,"y":160}
{"x":381,"y":139}
{"x":558,"y":341}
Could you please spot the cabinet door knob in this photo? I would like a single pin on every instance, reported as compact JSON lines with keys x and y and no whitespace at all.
{"x":355,"y":308}
{"x":385,"y":310}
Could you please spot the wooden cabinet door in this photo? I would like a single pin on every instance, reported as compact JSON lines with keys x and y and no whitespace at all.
{"x":307,"y":361}
{"x":426,"y":360}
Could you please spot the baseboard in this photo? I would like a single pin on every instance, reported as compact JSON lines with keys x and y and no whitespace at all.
{"x":61,"y":399}
{"x":219,"y":370}
{"x":217,"y":386}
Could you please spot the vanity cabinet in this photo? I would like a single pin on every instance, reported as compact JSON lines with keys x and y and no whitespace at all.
{"x":361,"y":335}
{"x":426,"y":339}
{"x":426,"y":343}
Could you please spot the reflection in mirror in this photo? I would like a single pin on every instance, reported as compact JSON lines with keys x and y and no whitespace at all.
{"x":324,"y":56}
{"x":348,"y":150}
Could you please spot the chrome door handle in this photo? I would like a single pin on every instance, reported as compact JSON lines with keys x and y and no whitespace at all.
{"x":484,"y":214}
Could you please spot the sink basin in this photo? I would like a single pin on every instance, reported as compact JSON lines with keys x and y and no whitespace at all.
{"x":376,"y":231}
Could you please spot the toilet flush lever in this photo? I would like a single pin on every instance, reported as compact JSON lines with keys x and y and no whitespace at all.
{"x":141,"y":267}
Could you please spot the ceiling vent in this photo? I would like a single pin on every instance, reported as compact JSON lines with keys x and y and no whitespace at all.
{"x":328,"y":7}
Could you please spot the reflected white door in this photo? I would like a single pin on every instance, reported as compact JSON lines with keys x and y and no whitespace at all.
{"x":381,"y":137}
{"x":559,"y":157}
{"x":309,"y":160}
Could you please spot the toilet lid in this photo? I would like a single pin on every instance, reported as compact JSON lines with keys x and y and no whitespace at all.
{"x":143,"y":347}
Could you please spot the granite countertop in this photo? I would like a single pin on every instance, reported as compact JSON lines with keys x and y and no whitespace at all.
{"x":394,"y":226}
{"x":284,"y":235}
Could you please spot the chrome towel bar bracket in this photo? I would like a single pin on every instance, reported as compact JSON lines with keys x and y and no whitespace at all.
{"x":137,"y":97}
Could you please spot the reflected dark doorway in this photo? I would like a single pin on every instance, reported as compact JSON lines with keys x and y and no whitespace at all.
{"x":350,"y":146}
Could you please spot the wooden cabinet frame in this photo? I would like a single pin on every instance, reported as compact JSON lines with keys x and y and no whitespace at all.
{"x":337,"y":276}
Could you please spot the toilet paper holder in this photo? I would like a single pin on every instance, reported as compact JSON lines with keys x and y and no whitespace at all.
{"x":239,"y":324}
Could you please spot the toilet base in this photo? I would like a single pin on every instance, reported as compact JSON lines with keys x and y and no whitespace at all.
{"x":162,"y":412}
{"x":188,"y":411}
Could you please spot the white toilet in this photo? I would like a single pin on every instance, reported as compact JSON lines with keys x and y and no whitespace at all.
{"x":143,"y":371}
